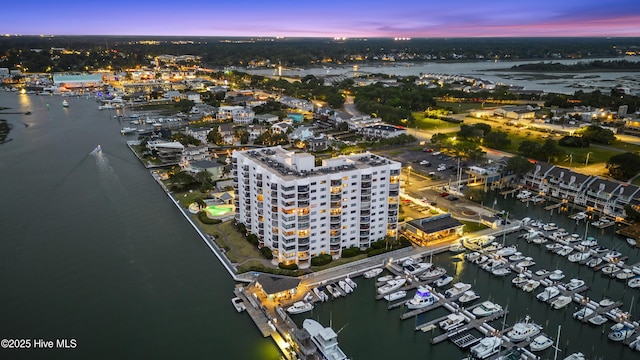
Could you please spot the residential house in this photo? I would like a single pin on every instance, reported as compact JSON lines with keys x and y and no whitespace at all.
{"x":382,"y":131}
{"x":281,"y":127}
{"x":199,"y":133}
{"x":216,"y":169}
{"x":195,"y":153}
{"x":266,"y":118}
{"x":167,"y":152}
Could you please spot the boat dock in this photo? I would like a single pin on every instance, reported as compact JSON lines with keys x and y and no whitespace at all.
{"x":553,"y":206}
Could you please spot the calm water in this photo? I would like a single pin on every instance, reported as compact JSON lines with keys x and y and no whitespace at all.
{"x":497,"y":72}
{"x":91,"y":248}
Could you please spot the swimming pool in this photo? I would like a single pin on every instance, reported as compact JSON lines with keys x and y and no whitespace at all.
{"x":216,"y":211}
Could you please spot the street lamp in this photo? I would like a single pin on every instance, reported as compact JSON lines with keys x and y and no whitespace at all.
{"x":586,"y":163}
{"x":408,"y":173}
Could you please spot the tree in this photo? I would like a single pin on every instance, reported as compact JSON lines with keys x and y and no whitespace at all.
{"x":439,"y":138}
{"x":598,"y":135}
{"x":551,"y":150}
{"x":214,"y":136}
{"x":518,"y":165}
{"x":623,"y":166}
{"x":497,"y":140}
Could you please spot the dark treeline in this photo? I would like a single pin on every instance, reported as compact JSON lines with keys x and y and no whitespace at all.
{"x":582,"y":66}
{"x":92,"y":52}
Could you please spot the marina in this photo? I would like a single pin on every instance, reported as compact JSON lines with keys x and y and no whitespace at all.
{"x":568,"y":279}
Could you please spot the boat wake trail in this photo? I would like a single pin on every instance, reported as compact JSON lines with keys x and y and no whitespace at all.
{"x":108,"y":176}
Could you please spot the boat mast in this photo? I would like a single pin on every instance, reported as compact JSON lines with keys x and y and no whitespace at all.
{"x":555,"y":356}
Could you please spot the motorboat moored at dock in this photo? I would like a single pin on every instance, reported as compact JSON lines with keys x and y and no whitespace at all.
{"x":540,"y":342}
{"x":560,"y":302}
{"x":372,"y":273}
{"x":395,"y":295}
{"x":325,"y":339}
{"x":423,"y":297}
{"x":451,"y":322}
{"x":457,"y":289}
{"x":300,"y":307}
{"x":523,"y":330}
{"x":391,"y":286}
{"x":486,"y":308}
{"x":238,"y":304}
{"x":486,"y":347}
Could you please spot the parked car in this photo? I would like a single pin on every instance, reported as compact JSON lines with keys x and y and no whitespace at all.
{"x":429,"y":150}
{"x":424,"y":162}
{"x":452,"y":198}
{"x":443,"y":194}
{"x":436,"y":153}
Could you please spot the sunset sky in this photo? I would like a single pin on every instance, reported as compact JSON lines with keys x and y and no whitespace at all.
{"x":329,"y":18}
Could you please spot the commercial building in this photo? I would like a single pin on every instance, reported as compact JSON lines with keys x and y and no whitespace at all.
{"x":300,"y":210}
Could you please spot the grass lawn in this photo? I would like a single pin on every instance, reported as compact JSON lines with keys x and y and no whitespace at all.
{"x":187,"y":198}
{"x":464,"y":107}
{"x":470,"y":226}
{"x":339,"y":262}
{"x":424,"y":123}
{"x":633,"y":148}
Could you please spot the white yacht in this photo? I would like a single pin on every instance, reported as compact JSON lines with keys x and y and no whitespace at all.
{"x":457,"y":289}
{"x":451,"y":322}
{"x":423,"y":297}
{"x":345,"y":287}
{"x":583,"y":313}
{"x":579,"y":256}
{"x":575,"y":356}
{"x":507,"y":251}
{"x":634,"y":282}
{"x":606,"y":302}
{"x":519,"y":280}
{"x":468,"y":296}
{"x":635,"y":344}
{"x":434,"y":272}
{"x":574,"y":284}
{"x":238,"y":304}
{"x":621,"y":331}
{"x":594,"y":261}
{"x":384,"y":279}
{"x":560,"y":302}
{"x":321,"y":294}
{"x":65,"y":103}
{"x":372,"y":273}
{"x":486,"y":308}
{"x":625,"y":274}
{"x":549,"y":293}
{"x":530,"y":285}
{"x":391,"y":285}
{"x":517,"y":256}
{"x":556,"y":275}
{"x":351,"y":283}
{"x":415,"y":269}
{"x":443,"y":281}
{"x":523,"y":330}
{"x":395,"y":295}
{"x":503,"y":271}
{"x":598,"y":320}
{"x":550,"y":227}
{"x":486,"y":347}
{"x":299,"y":307}
{"x":541,"y":342}
{"x":325,"y":339}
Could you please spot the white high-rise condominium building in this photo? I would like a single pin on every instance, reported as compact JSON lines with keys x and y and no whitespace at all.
{"x":300,"y":210}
